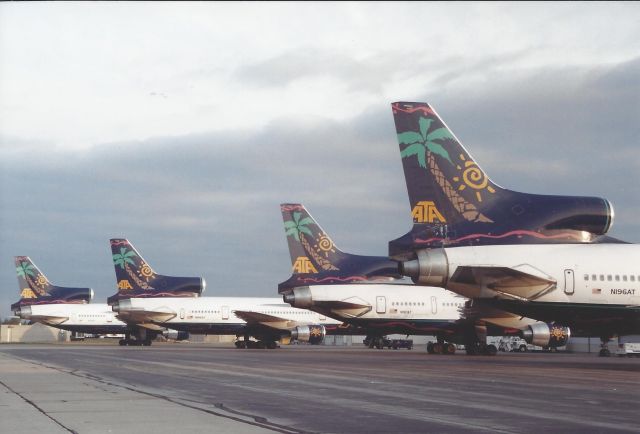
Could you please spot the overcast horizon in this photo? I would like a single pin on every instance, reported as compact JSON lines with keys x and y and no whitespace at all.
{"x":183,"y":126}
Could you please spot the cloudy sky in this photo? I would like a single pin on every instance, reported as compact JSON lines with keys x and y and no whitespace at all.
{"x":183,"y":126}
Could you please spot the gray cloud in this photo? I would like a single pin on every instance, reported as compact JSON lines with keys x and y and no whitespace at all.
{"x":207,"y":204}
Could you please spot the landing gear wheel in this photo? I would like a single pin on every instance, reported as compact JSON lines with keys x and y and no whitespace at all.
{"x":604,"y":353}
{"x":522,"y":348}
{"x":430,"y":348}
{"x":272,"y":345}
{"x":491,"y":350}
{"x":450,"y":349}
{"x":437,"y":348}
{"x":122,"y":342}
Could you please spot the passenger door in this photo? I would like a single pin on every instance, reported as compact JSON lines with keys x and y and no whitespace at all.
{"x":225,"y":312}
{"x":381,"y":304}
{"x":569,"y":282}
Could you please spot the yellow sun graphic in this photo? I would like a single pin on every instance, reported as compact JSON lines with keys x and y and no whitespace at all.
{"x":146,"y":271}
{"x":558,"y":332}
{"x":472,"y":177}
{"x":41,"y":281}
{"x":324,"y":245}
{"x":315,"y":331}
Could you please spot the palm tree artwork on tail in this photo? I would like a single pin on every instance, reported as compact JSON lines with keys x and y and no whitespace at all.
{"x":27,"y":271}
{"x":123,"y":259}
{"x":424,"y":146}
{"x":297,"y":228}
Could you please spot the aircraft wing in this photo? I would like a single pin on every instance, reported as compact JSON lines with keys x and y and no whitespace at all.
{"x":480,"y":311}
{"x":525,"y":283}
{"x":147,"y":316}
{"x":257,"y":318}
{"x":49,"y":319}
{"x":150,"y":326}
{"x":344,"y":308}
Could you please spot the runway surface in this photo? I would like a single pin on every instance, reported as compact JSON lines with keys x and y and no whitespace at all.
{"x":356,"y":390}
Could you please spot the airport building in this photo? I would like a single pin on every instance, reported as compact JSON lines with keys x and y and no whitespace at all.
{"x":35,"y":333}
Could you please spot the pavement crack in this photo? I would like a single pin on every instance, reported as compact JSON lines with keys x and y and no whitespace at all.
{"x":258,"y":421}
{"x":34,"y":405}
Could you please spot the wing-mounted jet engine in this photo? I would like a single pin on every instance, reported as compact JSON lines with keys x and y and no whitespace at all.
{"x":311,"y":334}
{"x":136,"y":278}
{"x":546,"y":335}
{"x":36,"y":289}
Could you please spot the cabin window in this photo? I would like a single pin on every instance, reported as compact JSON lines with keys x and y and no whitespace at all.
{"x":617,"y":278}
{"x":624,"y":278}
{"x":586,"y":277}
{"x":602,"y":277}
{"x":594,"y":277}
{"x":633,"y":278}
{"x":609,"y":278}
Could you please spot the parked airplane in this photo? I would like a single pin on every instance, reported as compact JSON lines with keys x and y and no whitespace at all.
{"x":269,"y":320}
{"x":61,"y":307}
{"x":545,"y":257}
{"x":136,"y":278}
{"x":367,"y":292}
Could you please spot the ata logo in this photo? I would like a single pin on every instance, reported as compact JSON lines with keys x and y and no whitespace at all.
{"x":27,"y":293}
{"x":303,"y":266}
{"x":426,"y":212}
{"x":124,"y":284}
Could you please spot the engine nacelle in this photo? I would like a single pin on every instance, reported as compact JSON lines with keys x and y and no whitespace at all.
{"x":546,"y":335}
{"x":24,"y":312}
{"x":313,"y":334}
{"x":299,"y":297}
{"x":431,"y":268}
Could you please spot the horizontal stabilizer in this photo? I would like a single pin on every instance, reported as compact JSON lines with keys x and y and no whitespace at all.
{"x":145,"y":316}
{"x":505,"y":280}
{"x":344,"y":308}
{"x":266,"y":320}
{"x":150,"y":326}
{"x":49,"y":319}
{"x":479,"y":311}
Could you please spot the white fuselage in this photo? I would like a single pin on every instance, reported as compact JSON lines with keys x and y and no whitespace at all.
{"x":385,"y":302}
{"x":175,"y":311}
{"x":582,"y":273}
{"x":77,"y":317}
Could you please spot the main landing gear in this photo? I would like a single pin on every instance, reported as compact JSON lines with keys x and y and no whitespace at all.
{"x":475,"y":342}
{"x":441,"y":348}
{"x":134,"y":342}
{"x":481,"y":349}
{"x":142,"y":339}
{"x":604,"y":346}
{"x":261,"y":344}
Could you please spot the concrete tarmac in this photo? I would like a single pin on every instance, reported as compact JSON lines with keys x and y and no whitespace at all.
{"x":305,"y":389}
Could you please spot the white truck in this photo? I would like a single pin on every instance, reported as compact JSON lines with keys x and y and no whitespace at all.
{"x":513,"y":344}
{"x":628,"y":346}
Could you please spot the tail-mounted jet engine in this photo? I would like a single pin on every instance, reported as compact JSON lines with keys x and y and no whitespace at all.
{"x":313,"y":334}
{"x":299,"y":297}
{"x":546,"y":335}
{"x":431,"y":268}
